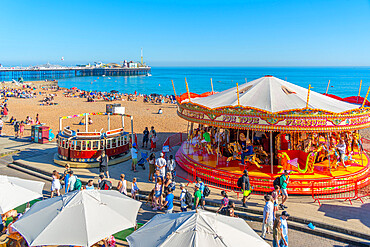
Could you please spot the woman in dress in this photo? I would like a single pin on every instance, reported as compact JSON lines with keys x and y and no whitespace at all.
{"x":151,"y":161}
{"x":276,"y":233}
{"x":104,"y":160}
{"x":153,"y":143}
{"x":158,"y":193}
{"x":55,"y":184}
{"x":122,"y":185}
{"x":167,"y":182}
{"x":21,"y":129}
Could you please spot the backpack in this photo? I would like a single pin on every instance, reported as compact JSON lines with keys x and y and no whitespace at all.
{"x":78,"y":184}
{"x":188,"y":198}
{"x":240,"y":182}
{"x":277,"y":181}
{"x":107,"y":185}
{"x":206,"y":191}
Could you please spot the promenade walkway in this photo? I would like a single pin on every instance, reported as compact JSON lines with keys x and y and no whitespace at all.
{"x":337,"y":213}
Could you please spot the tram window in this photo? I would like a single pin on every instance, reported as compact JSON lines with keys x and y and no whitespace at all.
{"x":109,"y":143}
{"x":102,"y":145}
{"x":95,"y":145}
{"x":114,"y":142}
{"x":78,"y":145}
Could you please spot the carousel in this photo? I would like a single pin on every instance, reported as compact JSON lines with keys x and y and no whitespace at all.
{"x":270,"y":125}
{"x":81,"y":149}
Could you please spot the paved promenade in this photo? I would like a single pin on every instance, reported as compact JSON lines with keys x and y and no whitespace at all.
{"x":336,"y":212}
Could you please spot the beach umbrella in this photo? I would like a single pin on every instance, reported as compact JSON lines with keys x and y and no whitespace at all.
{"x":16,"y":191}
{"x":195,"y":228}
{"x":79,"y":218}
{"x":74,"y":88}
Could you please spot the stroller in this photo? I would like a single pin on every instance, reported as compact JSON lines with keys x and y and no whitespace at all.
{"x":142,"y":161}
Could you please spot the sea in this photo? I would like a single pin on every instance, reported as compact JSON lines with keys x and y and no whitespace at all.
{"x":344,"y":81}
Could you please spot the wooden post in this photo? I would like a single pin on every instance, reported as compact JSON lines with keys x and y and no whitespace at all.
{"x":60,"y":124}
{"x":327,"y":88}
{"x":367,"y":94}
{"x":212,"y":85}
{"x":108,"y":121}
{"x":359,"y":91}
{"x":86,"y":122}
{"x":123,"y":121}
{"x":271,"y":154}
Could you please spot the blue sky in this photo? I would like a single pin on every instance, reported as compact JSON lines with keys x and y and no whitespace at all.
{"x":187,"y":33}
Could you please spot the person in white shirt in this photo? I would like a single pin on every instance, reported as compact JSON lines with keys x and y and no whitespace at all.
{"x":171,"y":166}
{"x":160,"y":164}
{"x":268,"y":216}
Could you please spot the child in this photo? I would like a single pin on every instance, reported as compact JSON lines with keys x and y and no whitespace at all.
{"x":275,"y":197}
{"x":231,"y":209}
{"x":171,"y":167}
{"x":134,"y":188}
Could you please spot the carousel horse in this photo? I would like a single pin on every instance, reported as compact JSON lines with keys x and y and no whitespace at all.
{"x":356,"y":140}
{"x":292,"y":164}
{"x":234,"y":148}
{"x":261,"y":155}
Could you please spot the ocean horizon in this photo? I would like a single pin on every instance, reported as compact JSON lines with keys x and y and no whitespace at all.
{"x":344,"y":81}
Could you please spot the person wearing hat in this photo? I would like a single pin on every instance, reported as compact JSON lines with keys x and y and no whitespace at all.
{"x":201,"y":188}
{"x":160,"y":164}
{"x":134,"y":153}
{"x":246,"y":187}
{"x":197,"y":196}
{"x":284,"y":229}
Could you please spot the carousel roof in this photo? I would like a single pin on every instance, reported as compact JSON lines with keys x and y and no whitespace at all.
{"x":272,"y":95}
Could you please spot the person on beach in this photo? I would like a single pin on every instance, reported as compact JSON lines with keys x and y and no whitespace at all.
{"x":1,"y":126}
{"x":134,"y":153}
{"x":268,"y":216}
{"x":158,"y":193}
{"x":151,"y":161}
{"x":21,"y":129}
{"x":37,"y":120}
{"x":224,"y":203}
{"x":171,"y":167}
{"x":134,"y":188}
{"x":122,"y":185}
{"x":160,"y":164}
{"x":284,"y":229}
{"x":90,"y":185}
{"x":145,"y":137}
{"x":246,"y":187}
{"x":169,"y":202}
{"x":55,"y":184}
{"x":104,"y":160}
{"x":284,"y":180}
{"x":16,"y":129}
{"x":276,"y":233}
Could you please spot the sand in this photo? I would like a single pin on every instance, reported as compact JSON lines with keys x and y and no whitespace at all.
{"x":145,"y":115}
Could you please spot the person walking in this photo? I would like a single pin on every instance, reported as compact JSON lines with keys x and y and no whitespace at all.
{"x":275,"y":198}
{"x":160,"y":164}
{"x":134,"y":153}
{"x":151,"y":161}
{"x":246,"y":187}
{"x":103,"y":166}
{"x":71,"y":181}
{"x":268,"y":216}
{"x":284,"y":229}
{"x":276,"y":233}
{"x":122,"y":185}
{"x":145,"y":137}
{"x":169,"y":201}
{"x":284,"y":180}
{"x":201,"y":188}
{"x":55,"y":184}
{"x":224,"y":203}
{"x":65,"y":176}
{"x":183,"y":205}
{"x":197,"y":196}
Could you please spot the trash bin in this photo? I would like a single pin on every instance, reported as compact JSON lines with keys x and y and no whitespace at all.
{"x":43,"y":134}
{"x":35,"y":132}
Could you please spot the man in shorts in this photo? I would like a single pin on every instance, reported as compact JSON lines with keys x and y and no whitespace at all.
{"x":201,"y":188}
{"x":246,"y":187}
{"x":284,"y":180}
